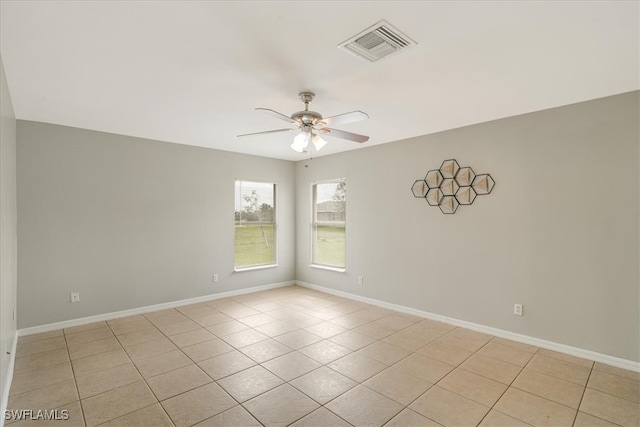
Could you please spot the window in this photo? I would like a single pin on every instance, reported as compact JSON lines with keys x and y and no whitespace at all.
{"x":255,"y":225}
{"x":328,"y":235}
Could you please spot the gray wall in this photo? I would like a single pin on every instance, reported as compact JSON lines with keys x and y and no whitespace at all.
{"x":558,"y":234}
{"x":7,"y":227}
{"x":129,"y":222}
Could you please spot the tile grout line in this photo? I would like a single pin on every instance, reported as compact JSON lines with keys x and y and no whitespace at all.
{"x":75,"y":381}
{"x":198,"y":366}
{"x":378,"y":340}
{"x":521,"y":368}
{"x":412,"y":352}
{"x":295,"y":321}
{"x":553,"y":401}
{"x":141,"y":376}
{"x":117,"y":388}
{"x":459,"y":366}
{"x":481,"y":375}
{"x":508,"y":387}
{"x":289,"y":382}
{"x":122,"y":347}
{"x":187,"y":356}
{"x":582,"y":396}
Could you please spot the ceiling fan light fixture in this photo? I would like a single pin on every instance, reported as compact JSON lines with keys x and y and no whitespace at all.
{"x":318,"y":142}
{"x":300,"y":142}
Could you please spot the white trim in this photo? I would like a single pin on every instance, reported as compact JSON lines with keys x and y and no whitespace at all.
{"x":146,"y":309}
{"x":327,"y":267}
{"x":7,"y":385}
{"x":314,"y":223}
{"x":254,"y":267}
{"x":276,"y":221}
{"x":550,"y":345}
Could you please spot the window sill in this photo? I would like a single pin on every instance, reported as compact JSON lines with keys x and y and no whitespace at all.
{"x":257,"y":267}
{"x":326,"y":267}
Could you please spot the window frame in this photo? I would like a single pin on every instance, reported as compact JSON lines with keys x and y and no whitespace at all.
{"x":275,"y":226}
{"x":315,"y":223}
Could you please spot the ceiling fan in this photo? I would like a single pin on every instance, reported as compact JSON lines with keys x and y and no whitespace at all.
{"x":311,"y":125}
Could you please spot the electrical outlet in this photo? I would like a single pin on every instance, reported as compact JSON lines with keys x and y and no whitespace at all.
{"x":517,"y":309}
{"x":360,"y":280}
{"x":75,"y":297}
{"x":215,"y":277}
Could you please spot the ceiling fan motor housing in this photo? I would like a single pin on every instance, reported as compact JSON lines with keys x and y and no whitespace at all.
{"x":308,"y":117}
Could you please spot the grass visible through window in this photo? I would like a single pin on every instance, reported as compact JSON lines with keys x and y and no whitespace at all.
{"x":330,"y":245}
{"x":254,"y":245}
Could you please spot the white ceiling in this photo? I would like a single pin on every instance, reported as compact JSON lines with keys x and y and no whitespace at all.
{"x":193,"y":72}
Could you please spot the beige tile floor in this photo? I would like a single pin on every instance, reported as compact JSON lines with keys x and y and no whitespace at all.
{"x":294,"y":356}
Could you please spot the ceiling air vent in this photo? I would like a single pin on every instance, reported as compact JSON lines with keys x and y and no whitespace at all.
{"x":376,"y":42}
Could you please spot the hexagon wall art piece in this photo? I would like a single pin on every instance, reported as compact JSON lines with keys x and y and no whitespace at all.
{"x":452,"y":186}
{"x":419,"y":188}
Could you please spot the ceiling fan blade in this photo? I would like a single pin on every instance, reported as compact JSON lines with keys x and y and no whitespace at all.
{"x":264,"y":132}
{"x":340,"y":119}
{"x":277,"y":115}
{"x":345,"y":135}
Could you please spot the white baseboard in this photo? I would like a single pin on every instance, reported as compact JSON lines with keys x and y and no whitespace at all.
{"x":7,"y":385}
{"x":549,"y":345}
{"x":147,"y":309}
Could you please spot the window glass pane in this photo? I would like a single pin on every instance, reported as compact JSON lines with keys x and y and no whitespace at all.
{"x":330,"y":201}
{"x":255,"y":228}
{"x":330,"y":245}
{"x":328,"y":231}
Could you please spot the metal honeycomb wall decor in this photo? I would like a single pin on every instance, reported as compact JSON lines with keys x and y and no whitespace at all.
{"x":452,"y":186}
